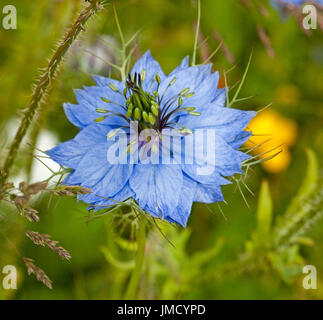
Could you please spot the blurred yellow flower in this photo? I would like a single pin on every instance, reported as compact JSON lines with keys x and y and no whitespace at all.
{"x":272,"y":130}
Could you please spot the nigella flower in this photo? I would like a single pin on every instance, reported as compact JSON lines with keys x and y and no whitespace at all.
{"x":186,"y":100}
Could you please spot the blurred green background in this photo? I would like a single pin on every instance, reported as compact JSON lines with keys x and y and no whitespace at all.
{"x":292,"y":80}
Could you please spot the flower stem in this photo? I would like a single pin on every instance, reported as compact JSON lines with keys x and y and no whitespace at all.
{"x":41,"y":88}
{"x":135,"y":277}
{"x":197,"y":32}
{"x":123,"y":50}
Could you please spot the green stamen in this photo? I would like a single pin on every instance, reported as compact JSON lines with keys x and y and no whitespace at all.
{"x":180,"y":101}
{"x":154,"y":110}
{"x":189,"y":95}
{"x":185,"y":91}
{"x":100,"y":119}
{"x":105,"y":100}
{"x":137,"y":114}
{"x":145,"y":107}
{"x":152,"y":119}
{"x":100,"y":110}
{"x":113,"y":87}
{"x":157,"y":78}
{"x":190,"y":109}
{"x":143,"y":75}
{"x":173,"y":81}
{"x":145,"y":116}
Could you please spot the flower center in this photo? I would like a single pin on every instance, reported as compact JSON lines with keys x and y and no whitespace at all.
{"x":144,"y":107}
{"x":141,"y":105}
{"x":149,"y":109}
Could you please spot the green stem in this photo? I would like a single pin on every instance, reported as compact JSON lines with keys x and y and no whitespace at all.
{"x":197,"y":32}
{"x":123,"y":50}
{"x":44,"y":82}
{"x":135,"y":278}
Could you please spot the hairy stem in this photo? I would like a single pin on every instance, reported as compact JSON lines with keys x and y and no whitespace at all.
{"x":44,"y":82}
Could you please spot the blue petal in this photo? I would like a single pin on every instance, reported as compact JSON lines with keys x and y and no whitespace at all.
{"x":123,"y":195}
{"x":91,"y":167}
{"x":220,"y":98}
{"x":85,"y":113}
{"x":109,"y":183}
{"x":96,"y":93}
{"x":208,"y":193}
{"x":244,"y":156}
{"x":70,"y":153}
{"x":214,"y":178}
{"x":226,"y":160}
{"x":151,"y":66}
{"x":190,"y":78}
{"x":183,"y":210}
{"x":157,"y":187}
{"x":240,"y":139}
{"x":205,"y":93}
{"x":227,"y":122}
{"x":94,"y":171}
{"x":77,"y":115}
{"x":89,"y":100}
{"x":104,"y":82}
{"x":184,"y":65}
{"x":204,"y":101}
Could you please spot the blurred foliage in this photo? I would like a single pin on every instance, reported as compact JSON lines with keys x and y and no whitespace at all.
{"x":277,"y":235}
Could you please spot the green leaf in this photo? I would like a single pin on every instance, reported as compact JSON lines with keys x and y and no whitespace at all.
{"x":309,"y":182}
{"x":288,"y":263}
{"x":264,"y":211}
{"x":312,"y":174}
{"x":304,"y":209}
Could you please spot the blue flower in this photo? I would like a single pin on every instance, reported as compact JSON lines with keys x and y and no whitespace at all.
{"x":186,"y":100}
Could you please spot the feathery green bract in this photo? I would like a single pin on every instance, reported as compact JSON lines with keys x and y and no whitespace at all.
{"x":277,"y":247}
